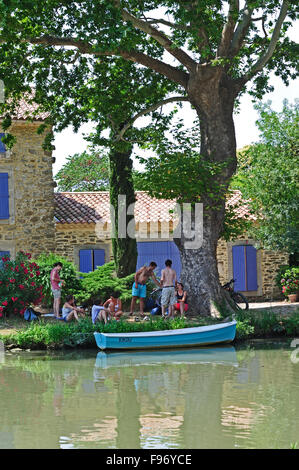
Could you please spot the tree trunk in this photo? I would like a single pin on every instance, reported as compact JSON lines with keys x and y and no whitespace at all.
{"x":213,"y":98}
{"x":121,"y":184}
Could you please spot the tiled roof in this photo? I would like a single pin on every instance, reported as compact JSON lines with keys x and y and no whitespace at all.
{"x":93,"y":207}
{"x":240,"y":206}
{"x":26,"y":109}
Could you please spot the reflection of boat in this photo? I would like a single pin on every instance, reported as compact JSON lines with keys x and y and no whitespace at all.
{"x":198,"y":336}
{"x":221,"y":355}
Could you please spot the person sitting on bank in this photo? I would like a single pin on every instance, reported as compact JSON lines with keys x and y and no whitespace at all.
{"x":114,"y":306}
{"x":70,"y":311}
{"x":99,"y":312}
{"x":181,"y":295}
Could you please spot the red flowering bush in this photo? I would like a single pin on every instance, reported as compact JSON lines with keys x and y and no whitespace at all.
{"x":17,"y":287}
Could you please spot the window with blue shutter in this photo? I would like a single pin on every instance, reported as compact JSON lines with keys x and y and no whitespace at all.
{"x":4,"y":196}
{"x":159,"y":252}
{"x":90,"y":259}
{"x":85,"y":261}
{"x":2,"y":145}
{"x":245,"y":268}
{"x":98,"y":258}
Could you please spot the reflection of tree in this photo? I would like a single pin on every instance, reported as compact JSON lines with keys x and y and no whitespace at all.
{"x":128,"y":412}
{"x":201,"y":428}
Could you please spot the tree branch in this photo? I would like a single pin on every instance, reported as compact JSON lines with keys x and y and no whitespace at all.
{"x":156,"y":65}
{"x":262,"y":61}
{"x":167,"y":23}
{"x":162,"y":39}
{"x":240,"y":32}
{"x":228,"y":29}
{"x":149,"y":110}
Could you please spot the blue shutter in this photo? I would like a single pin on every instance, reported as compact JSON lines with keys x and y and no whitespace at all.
{"x":4,"y":196}
{"x":85,"y":260}
{"x":98,"y":258}
{"x":2,"y":254}
{"x":2,"y":146}
{"x":159,"y":252}
{"x":239,"y":267}
{"x":251,"y":267}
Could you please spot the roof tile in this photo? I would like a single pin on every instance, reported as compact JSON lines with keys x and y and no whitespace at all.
{"x":93,"y":207}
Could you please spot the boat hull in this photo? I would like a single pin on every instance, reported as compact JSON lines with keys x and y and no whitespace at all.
{"x":186,"y":337}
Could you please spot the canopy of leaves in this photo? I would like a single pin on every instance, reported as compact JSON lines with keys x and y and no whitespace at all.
{"x":87,"y":171}
{"x":81,"y":56}
{"x":268,"y":175}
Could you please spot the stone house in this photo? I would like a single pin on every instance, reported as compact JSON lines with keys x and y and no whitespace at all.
{"x":78,"y":225}
{"x":26,"y":189}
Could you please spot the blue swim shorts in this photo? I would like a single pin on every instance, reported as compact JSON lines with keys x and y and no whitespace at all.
{"x":140,"y":291}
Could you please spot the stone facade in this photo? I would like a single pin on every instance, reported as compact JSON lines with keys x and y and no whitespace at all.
{"x":70,"y":238}
{"x":30,"y":226}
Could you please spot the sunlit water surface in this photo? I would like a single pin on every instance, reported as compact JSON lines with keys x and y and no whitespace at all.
{"x":225,"y":397}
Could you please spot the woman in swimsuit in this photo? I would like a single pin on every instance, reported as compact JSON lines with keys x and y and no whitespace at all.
{"x":114,"y":306}
{"x":181,"y":295}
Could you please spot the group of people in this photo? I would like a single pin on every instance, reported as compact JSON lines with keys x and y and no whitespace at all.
{"x":173,"y":298}
{"x":112,"y":308}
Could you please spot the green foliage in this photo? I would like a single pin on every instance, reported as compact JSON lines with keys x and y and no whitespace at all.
{"x":20,"y":284}
{"x":268,"y":177}
{"x":68,"y":273}
{"x":287,"y":279}
{"x":266,"y":323}
{"x":102,"y":282}
{"x":56,"y":335}
{"x":87,"y":171}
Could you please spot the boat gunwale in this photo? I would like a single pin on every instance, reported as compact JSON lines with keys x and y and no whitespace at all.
{"x":181,"y":331}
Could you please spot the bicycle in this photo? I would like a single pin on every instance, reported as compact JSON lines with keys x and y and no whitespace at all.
{"x":239,"y":299}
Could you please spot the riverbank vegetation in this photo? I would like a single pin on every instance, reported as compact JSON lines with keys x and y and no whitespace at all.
{"x":52,"y":334}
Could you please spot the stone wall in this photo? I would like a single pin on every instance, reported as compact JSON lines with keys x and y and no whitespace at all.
{"x":70,"y":238}
{"x":31,"y":226}
{"x":271,"y":260}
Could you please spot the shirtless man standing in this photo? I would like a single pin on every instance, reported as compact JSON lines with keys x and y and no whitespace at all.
{"x":139,"y":285}
{"x":168,"y":281}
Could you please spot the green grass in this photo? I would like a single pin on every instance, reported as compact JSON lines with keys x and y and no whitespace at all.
{"x":54,"y":335}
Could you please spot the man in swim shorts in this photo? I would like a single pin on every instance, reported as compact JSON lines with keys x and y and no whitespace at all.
{"x":139,"y":285}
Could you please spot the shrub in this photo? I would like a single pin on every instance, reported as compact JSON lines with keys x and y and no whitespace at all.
{"x":68,"y":273}
{"x":102,"y":282}
{"x":287,"y":280}
{"x":20,"y":284}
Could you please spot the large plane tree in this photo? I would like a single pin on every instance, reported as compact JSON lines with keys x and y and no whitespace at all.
{"x":211,"y":50}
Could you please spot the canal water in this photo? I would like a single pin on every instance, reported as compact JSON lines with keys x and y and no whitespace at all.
{"x":213,"y":398}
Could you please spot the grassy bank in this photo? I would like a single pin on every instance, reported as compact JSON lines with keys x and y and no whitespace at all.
{"x":56,"y":335}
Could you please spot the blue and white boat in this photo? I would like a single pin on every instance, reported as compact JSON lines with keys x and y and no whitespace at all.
{"x":182,"y":338}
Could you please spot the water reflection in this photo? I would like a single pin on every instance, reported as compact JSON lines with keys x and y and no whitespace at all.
{"x":198,"y":398}
{"x":219,"y":355}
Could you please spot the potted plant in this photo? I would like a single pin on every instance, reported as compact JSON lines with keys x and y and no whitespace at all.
{"x":290,"y":286}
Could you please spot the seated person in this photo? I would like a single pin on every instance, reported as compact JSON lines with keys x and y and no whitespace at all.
{"x":114,"y":306}
{"x":99,"y":312}
{"x":181,"y":295}
{"x":70,"y":311}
